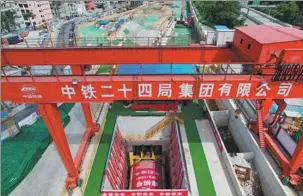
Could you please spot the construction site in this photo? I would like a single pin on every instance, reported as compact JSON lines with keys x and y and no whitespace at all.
{"x":132,"y":105}
{"x":153,"y":20}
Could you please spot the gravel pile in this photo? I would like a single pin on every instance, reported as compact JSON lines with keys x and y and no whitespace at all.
{"x":253,"y":186}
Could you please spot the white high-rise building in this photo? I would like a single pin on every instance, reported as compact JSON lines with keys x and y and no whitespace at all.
{"x":42,"y":14}
{"x":70,"y":9}
{"x":13,"y":6}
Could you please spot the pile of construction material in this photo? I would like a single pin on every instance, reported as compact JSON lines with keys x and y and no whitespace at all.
{"x":247,"y":173}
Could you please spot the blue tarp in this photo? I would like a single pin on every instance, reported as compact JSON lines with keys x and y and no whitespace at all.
{"x":221,"y":27}
{"x":156,"y":69}
{"x":4,"y":114}
{"x":121,"y":20}
{"x":291,"y":108}
{"x":103,"y":22}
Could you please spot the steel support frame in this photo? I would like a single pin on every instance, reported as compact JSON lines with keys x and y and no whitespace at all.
{"x":51,"y":116}
{"x":289,"y":167}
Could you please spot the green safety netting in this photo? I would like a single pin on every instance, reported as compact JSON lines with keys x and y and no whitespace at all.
{"x":181,"y":36}
{"x":66,"y":107}
{"x":126,"y":31}
{"x":103,"y":69}
{"x":297,"y":135}
{"x":20,"y":154}
{"x":204,"y":181}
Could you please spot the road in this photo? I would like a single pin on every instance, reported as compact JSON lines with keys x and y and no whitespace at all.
{"x":62,"y":39}
{"x":248,"y":22}
{"x":259,"y":17}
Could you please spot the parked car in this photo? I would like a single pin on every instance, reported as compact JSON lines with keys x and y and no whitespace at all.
{"x":14,"y":39}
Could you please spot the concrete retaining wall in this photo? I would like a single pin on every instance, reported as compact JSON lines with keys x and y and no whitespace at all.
{"x":259,"y":22}
{"x":220,"y":117}
{"x":196,"y":25}
{"x":270,"y":182}
{"x":271,"y":18}
{"x":248,"y":108}
{"x":216,"y":116}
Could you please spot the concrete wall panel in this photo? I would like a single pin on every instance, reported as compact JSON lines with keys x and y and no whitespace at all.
{"x":270,"y":182}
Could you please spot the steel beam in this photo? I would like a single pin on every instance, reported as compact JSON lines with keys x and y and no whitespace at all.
{"x":87,"y":89}
{"x":121,"y":55}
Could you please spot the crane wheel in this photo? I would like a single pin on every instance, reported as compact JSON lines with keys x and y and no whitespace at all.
{"x":285,"y":180}
{"x":79,"y":182}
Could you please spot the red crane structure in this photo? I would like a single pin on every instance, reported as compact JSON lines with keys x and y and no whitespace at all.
{"x":274,"y":54}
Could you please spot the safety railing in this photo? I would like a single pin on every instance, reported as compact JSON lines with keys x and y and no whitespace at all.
{"x":248,"y":70}
{"x":70,"y":41}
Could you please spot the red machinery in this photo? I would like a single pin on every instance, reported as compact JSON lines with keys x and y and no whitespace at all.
{"x":147,"y":174}
{"x":251,"y":46}
{"x":155,"y":105}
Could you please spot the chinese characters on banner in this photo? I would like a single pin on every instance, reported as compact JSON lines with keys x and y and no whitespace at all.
{"x":158,"y":192}
{"x":116,"y":171}
{"x":174,"y":90}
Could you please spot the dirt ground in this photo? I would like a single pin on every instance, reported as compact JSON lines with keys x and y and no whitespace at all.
{"x":140,"y":12}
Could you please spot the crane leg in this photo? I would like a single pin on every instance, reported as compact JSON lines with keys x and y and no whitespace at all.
{"x":266,"y":106}
{"x":88,"y":117}
{"x":282,"y":105}
{"x":51,"y":116}
{"x":91,"y":129}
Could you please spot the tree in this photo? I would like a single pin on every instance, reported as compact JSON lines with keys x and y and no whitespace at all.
{"x":288,"y":12}
{"x":27,"y":15}
{"x":8,"y":23}
{"x":220,"y":13}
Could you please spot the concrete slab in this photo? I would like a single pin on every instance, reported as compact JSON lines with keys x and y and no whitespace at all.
{"x":48,"y":176}
{"x":217,"y":168}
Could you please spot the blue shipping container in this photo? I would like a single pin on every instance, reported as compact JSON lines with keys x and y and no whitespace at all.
{"x":156,"y":69}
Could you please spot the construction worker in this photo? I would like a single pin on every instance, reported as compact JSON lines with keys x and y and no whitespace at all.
{"x":237,"y":113}
{"x":204,"y":110}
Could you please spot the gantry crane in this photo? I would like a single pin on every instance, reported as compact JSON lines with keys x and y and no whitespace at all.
{"x":275,"y":58}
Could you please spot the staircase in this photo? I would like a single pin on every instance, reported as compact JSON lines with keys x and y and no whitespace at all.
{"x":260,"y":126}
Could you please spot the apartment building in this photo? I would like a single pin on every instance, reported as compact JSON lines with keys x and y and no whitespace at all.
{"x":41,"y":12}
{"x":70,"y":9}
{"x":19,"y":20}
{"x":90,"y":5}
{"x":102,"y":4}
